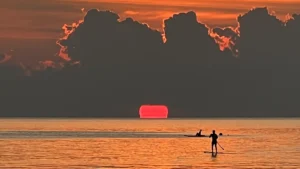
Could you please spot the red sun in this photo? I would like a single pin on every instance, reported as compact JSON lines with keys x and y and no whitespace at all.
{"x":153,"y":111}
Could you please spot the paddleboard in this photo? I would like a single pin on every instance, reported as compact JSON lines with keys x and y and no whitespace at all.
{"x":213,"y":152}
{"x":219,"y":152}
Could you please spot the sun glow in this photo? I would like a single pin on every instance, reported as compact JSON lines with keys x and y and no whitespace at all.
{"x":153,"y":111}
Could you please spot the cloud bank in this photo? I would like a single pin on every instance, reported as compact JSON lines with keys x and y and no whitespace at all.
{"x":110,"y":66}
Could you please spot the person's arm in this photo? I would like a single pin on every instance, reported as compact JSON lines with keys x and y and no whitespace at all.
{"x":210,"y":136}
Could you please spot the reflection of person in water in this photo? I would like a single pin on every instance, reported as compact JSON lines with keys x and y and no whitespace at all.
{"x":214,"y":155}
{"x":199,"y":133}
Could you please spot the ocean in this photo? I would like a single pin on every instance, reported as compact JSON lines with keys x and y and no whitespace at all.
{"x":62,"y":143}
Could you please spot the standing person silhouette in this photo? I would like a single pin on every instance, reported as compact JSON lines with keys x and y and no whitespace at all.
{"x":214,"y":141}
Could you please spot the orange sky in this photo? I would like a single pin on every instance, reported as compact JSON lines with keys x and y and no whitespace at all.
{"x":40,"y":21}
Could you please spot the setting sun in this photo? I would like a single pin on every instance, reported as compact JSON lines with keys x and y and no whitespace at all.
{"x":153,"y":111}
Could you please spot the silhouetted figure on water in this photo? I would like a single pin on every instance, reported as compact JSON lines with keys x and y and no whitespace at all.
{"x":214,"y":141}
{"x":199,"y":133}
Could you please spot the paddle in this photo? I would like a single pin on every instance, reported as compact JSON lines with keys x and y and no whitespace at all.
{"x":220,"y":146}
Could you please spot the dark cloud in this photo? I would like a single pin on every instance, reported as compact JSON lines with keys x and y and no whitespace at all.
{"x":103,"y":38}
{"x":2,"y":56}
{"x":186,"y":36}
{"x":260,"y":36}
{"x":228,"y":32}
{"x":292,"y":36}
{"x":112,"y":65}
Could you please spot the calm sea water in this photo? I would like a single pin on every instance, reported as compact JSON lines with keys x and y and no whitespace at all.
{"x":157,"y":144}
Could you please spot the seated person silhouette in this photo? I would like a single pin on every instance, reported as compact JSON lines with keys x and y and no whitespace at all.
{"x":199,"y":133}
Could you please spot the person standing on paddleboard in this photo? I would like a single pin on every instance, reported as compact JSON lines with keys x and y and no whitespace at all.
{"x":214,"y":141}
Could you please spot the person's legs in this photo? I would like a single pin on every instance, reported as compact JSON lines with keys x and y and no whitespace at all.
{"x":216,"y":147}
{"x":212,"y":147}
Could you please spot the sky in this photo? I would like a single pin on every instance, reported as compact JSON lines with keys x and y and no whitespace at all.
{"x":29,"y":28}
